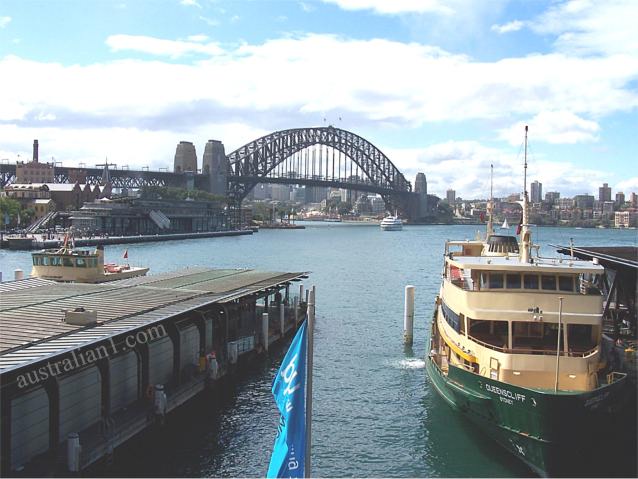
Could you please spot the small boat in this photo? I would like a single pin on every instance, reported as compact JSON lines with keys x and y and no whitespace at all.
{"x":391,"y":223}
{"x":505,"y":226}
{"x":71,"y":265}
{"x":516,"y":347}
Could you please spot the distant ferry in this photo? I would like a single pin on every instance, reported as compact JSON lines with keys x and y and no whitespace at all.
{"x":391,"y":223}
{"x":70,"y":265}
{"x":516,"y":348}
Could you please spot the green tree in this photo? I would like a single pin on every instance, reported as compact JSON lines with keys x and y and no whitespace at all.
{"x":9,"y":209}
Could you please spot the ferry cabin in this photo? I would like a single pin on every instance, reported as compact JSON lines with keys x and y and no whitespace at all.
{"x":500,"y":319}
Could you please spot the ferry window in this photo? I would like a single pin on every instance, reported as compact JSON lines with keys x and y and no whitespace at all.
{"x":496,"y":280}
{"x":451,"y":317}
{"x":566,"y":283}
{"x":580,"y":337}
{"x":548,"y":282}
{"x":80,"y":263}
{"x":484,"y":277}
{"x":530,"y":281}
{"x":56,"y":261}
{"x":36,"y":261}
{"x":513,"y":281}
{"x":92,"y":262}
{"x":494,"y":333}
{"x":45,"y":261}
{"x":67,"y":261}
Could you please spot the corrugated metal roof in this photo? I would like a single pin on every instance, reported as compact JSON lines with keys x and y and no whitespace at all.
{"x":32,"y":310}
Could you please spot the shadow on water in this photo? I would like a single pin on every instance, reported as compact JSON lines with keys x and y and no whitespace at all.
{"x":199,"y":438}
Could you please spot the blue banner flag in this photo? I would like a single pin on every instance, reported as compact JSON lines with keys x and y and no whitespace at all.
{"x":288,"y":388}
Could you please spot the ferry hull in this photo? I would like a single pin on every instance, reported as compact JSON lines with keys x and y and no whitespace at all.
{"x":560,"y":434}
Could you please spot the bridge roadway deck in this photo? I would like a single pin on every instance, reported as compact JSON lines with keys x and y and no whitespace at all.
{"x":32,"y":310}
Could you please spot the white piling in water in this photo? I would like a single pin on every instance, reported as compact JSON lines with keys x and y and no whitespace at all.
{"x":264,"y":330}
{"x":408,"y":316}
{"x":300,"y":293}
{"x":18,"y":274}
{"x":282,"y":316}
{"x":73,"y":450}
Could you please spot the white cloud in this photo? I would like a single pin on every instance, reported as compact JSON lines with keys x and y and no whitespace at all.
{"x":190,"y":3}
{"x":197,"y":38}
{"x":394,"y":7}
{"x":554,"y":127}
{"x":4,"y":21}
{"x":512,"y":26}
{"x":589,"y":27}
{"x":158,"y":46}
{"x":211,"y":22}
{"x":627,"y":186}
{"x":307,"y":7}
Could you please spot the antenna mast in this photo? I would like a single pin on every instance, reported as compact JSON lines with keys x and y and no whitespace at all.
{"x":490,"y":205}
{"x":525,"y":233}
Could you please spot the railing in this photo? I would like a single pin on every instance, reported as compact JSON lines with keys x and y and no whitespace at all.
{"x":519,"y":350}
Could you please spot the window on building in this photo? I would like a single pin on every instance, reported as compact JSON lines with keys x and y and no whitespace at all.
{"x":566,"y":283}
{"x":80,"y":263}
{"x":513,"y":281}
{"x":496,"y":280}
{"x":530,"y":281}
{"x":548,"y":282}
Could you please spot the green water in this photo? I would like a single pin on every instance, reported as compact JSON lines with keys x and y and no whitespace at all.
{"x":375,"y":414}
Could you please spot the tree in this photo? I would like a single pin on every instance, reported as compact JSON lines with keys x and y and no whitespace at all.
{"x":9,"y":209}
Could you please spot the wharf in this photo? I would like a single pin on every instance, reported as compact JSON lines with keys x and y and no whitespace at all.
{"x":157,"y":338}
{"x":31,"y":242}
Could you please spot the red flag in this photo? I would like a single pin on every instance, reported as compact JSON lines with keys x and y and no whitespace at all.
{"x":125,"y":254}
{"x":519,"y":227}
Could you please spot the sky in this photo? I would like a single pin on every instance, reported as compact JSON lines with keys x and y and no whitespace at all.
{"x":441,"y":87}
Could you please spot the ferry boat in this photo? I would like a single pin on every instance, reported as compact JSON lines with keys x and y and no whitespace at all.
{"x":391,"y":223}
{"x":71,"y":265}
{"x":516,"y":347}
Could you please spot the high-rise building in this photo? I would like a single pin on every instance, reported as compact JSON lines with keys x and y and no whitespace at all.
{"x":215,"y":164}
{"x":584,"y":201}
{"x":536,"y":193}
{"x":604,"y":193}
{"x":185,"y":157}
{"x":450,"y":196}
{"x":620,"y":199}
{"x":552,"y":197}
{"x":633,"y":199}
{"x":421,"y":189}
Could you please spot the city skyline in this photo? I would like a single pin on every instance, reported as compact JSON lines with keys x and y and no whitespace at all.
{"x":152,"y":74}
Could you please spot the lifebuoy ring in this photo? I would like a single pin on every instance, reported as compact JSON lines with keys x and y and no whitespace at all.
{"x":149,"y":391}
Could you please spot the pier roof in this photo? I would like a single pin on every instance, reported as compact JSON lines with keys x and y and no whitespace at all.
{"x":32,"y":310}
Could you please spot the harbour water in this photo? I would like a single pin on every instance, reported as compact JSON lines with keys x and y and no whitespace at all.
{"x":375,"y":414}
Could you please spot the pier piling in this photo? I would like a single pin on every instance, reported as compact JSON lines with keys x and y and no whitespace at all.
{"x":408,"y":317}
{"x":264,"y":330}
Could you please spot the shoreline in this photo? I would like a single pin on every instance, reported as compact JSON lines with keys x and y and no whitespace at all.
{"x":20,"y":243}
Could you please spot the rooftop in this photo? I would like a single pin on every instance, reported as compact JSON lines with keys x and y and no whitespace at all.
{"x":31,"y":310}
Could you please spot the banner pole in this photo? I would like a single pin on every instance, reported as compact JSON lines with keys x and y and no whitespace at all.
{"x":311,"y":333}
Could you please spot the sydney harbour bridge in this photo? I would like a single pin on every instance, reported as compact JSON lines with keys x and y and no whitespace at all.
{"x":319,"y":157}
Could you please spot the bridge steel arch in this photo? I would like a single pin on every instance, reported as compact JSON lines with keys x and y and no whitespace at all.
{"x":251,"y":163}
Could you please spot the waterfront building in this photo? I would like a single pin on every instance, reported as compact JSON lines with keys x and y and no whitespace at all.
{"x":185,"y":157}
{"x":536,"y":194}
{"x":604,"y":193}
{"x":64,"y":195}
{"x":584,"y":201}
{"x":625,"y":219}
{"x":421,"y":189}
{"x":607,"y":209}
{"x":450,"y":196}
{"x":280,"y":192}
{"x":620,"y":199}
{"x":34,"y":171}
{"x":552,"y":197}
{"x":134,"y":216}
{"x":633,"y":199}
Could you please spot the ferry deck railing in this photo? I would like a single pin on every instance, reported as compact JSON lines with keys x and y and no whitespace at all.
{"x":544,"y":351}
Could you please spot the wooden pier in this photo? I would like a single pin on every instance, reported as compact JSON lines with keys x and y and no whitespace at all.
{"x":92,"y":365}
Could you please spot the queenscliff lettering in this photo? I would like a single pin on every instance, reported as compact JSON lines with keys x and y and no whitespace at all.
{"x":505,"y":393}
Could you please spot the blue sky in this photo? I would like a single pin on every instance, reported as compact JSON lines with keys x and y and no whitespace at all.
{"x":442,"y":87}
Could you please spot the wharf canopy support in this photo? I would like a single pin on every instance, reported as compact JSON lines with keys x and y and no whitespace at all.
{"x":134,"y":364}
